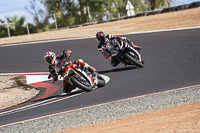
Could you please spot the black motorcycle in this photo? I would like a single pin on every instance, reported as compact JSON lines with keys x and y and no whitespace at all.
{"x":126,"y":54}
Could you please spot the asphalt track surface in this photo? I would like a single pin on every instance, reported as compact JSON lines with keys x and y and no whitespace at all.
{"x":172,"y":60}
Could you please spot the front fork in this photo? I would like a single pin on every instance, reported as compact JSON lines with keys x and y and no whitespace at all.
{"x":137,"y":54}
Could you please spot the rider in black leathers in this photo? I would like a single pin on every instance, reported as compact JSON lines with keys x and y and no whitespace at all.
{"x":114,"y":44}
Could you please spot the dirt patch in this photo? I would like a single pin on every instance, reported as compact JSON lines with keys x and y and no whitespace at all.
{"x":13,"y":91}
{"x":180,"y":119}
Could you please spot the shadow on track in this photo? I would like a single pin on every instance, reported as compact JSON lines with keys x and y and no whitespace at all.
{"x":118,"y":69}
{"x":127,"y":68}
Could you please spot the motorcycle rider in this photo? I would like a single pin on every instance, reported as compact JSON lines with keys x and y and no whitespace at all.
{"x":57,"y":66}
{"x":116,"y":41}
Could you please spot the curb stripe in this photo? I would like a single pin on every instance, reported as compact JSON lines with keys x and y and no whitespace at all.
{"x":50,"y":89}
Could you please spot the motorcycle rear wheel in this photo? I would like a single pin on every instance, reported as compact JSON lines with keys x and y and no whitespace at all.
{"x":76,"y":82}
{"x":133,"y":60}
{"x":101,"y":81}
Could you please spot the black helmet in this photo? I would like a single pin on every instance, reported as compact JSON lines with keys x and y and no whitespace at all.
{"x":100,"y":36}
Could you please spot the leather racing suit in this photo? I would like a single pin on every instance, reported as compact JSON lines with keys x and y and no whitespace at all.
{"x":112,"y":45}
{"x":58,"y":68}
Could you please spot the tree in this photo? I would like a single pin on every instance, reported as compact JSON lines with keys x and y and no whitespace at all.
{"x":159,"y":3}
{"x":75,"y":12}
{"x":66,"y":11}
{"x":17,"y":27}
{"x":3,"y":31}
{"x":139,"y":5}
{"x":97,"y":7}
{"x":119,"y":6}
{"x":40,"y":15}
{"x":32,"y":28}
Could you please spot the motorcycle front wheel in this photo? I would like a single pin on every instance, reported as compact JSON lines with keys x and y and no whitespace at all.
{"x":82,"y":84}
{"x":101,"y":81}
{"x":133,"y":60}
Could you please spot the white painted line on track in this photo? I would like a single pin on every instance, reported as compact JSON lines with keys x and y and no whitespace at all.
{"x":106,"y":78}
{"x":27,"y":106}
{"x":31,"y":106}
{"x":130,"y":33}
{"x":164,"y":30}
{"x":58,"y":40}
{"x":40,"y":76}
{"x":30,"y":79}
{"x":18,"y":74}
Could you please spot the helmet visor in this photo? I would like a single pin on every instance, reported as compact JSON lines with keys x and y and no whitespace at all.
{"x":98,"y":39}
{"x":48,"y":60}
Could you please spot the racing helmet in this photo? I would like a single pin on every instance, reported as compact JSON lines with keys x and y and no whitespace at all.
{"x":50,"y":57}
{"x":101,"y":37}
{"x":68,"y":54}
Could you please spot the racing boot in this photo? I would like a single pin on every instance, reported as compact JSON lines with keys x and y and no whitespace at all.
{"x":68,"y":87}
{"x":134,"y":46}
{"x":91,"y":69}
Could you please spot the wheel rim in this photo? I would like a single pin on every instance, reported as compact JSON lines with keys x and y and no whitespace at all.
{"x":83,"y":81}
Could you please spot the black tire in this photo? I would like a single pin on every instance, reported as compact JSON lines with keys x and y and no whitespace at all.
{"x":136,"y":62}
{"x":101,"y":81}
{"x":75,"y":80}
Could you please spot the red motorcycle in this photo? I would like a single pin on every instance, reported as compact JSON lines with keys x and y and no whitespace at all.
{"x":77,"y":77}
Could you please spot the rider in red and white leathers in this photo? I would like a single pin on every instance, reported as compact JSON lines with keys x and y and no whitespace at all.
{"x":57,"y":66}
{"x":105,"y":41}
